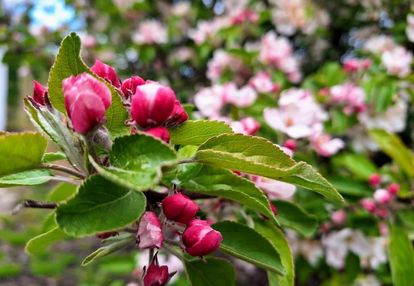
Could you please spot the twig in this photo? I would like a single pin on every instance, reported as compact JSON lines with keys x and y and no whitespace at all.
{"x":33,"y":204}
{"x":185,"y":161}
{"x":64,"y":169}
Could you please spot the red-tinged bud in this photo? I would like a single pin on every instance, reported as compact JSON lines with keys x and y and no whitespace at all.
{"x":39,"y":93}
{"x":393,"y":188}
{"x":105,"y":235}
{"x":200,"y":238}
{"x":156,"y":275}
{"x":149,"y":233}
{"x":129,"y":86}
{"x":179,"y":208}
{"x":274,"y":209}
{"x":338,"y":217}
{"x":382,"y":196}
{"x":382,"y":213}
{"x":374,"y":180}
{"x":152,"y":104}
{"x":369,"y":205}
{"x":86,"y":100}
{"x":107,"y":72}
{"x":178,"y":115}
{"x":159,"y":132}
{"x":290,"y":144}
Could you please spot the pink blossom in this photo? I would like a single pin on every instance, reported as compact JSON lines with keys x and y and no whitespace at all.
{"x":274,"y":49}
{"x":338,"y":217}
{"x":409,"y":30}
{"x":263,"y":83}
{"x":324,"y":144}
{"x":206,"y":30}
{"x":211,"y":100}
{"x":276,"y":190}
{"x":150,"y":32}
{"x":350,"y":95}
{"x":244,"y":16}
{"x":356,"y":65}
{"x":221,"y":62}
{"x":397,"y":61}
{"x":149,"y":232}
{"x":369,"y":205}
{"x":242,"y":98}
{"x":382,"y":196}
{"x":248,"y":126}
{"x":297,"y":114}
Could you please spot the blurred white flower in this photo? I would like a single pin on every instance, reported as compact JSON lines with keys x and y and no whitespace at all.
{"x":378,"y":44}
{"x":150,"y":32}
{"x":409,"y":30}
{"x":397,"y":61}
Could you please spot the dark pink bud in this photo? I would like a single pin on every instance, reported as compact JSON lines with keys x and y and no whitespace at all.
{"x":107,"y":72}
{"x":105,"y":235}
{"x":290,"y":144}
{"x":178,"y":115}
{"x":39,"y":93}
{"x":393,"y":188}
{"x":152,"y":104}
{"x":338,"y":217}
{"x":159,"y":132}
{"x":374,"y":180}
{"x":274,"y":209}
{"x":382,"y":212}
{"x":179,"y":208}
{"x":129,"y":86}
{"x":86,"y":100}
{"x":369,"y":205}
{"x":200,"y":238}
{"x":149,"y":233}
{"x":156,"y":275}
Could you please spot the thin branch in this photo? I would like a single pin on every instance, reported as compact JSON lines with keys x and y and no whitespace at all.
{"x":33,"y":204}
{"x":64,"y":169}
{"x":185,"y":161}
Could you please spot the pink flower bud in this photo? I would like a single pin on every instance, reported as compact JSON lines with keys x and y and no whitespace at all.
{"x":129,"y":86}
{"x":290,"y":144}
{"x":382,"y":196}
{"x":39,"y":93}
{"x":159,"y":132}
{"x":369,"y":205}
{"x":156,"y":105}
{"x":86,"y":100}
{"x":374,"y":180}
{"x":179,"y":208}
{"x":156,"y":275}
{"x":200,"y":239}
{"x":393,"y":188}
{"x":250,"y":125}
{"x":149,"y":232}
{"x":382,"y":212}
{"x":107,"y":72}
{"x":338,"y":217}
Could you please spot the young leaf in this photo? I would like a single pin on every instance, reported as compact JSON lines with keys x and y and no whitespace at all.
{"x":39,"y":244}
{"x":20,"y":151}
{"x":51,"y":157}
{"x":197,"y":132}
{"x":223,"y":183}
{"x":113,"y":245}
{"x":258,"y":156}
{"x":26,"y":178}
{"x":61,"y":192}
{"x":136,"y":161}
{"x":99,"y":206}
{"x":67,"y":63}
{"x":395,"y":148}
{"x":293,"y":216}
{"x":212,"y":272}
{"x":401,"y":255}
{"x":245,"y":243}
{"x":276,"y":237}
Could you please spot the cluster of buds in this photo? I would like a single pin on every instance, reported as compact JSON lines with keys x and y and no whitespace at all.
{"x":198,"y":237}
{"x":153,"y":107}
{"x":382,"y":196}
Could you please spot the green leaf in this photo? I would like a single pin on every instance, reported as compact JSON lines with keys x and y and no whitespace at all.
{"x":197,"y":132}
{"x":380,"y":90}
{"x":20,"y":151}
{"x":395,"y":148}
{"x":61,"y":192}
{"x":254,"y":155}
{"x":51,"y":157}
{"x":351,"y":188}
{"x":223,"y":183}
{"x":245,"y":243}
{"x":213,"y":272}
{"x":358,"y":165}
{"x":99,"y":206}
{"x":136,"y":161}
{"x":26,"y":178}
{"x":293,"y":216}
{"x":67,"y":63}
{"x":401,"y":256}
{"x":113,"y":244}
{"x":276,"y":237}
{"x":39,"y":244}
